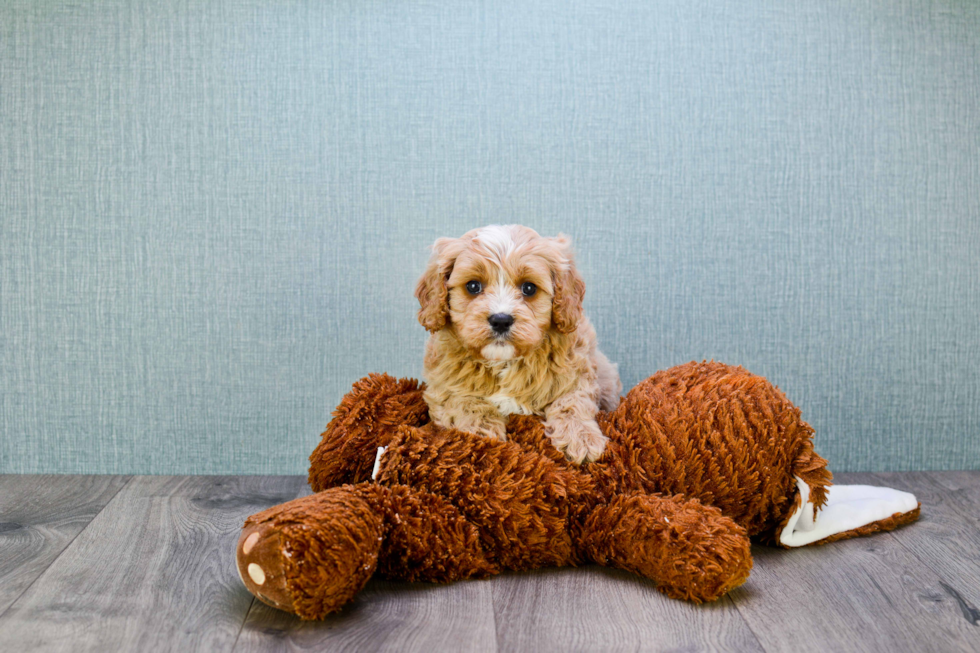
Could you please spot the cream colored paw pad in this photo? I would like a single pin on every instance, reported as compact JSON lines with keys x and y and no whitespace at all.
{"x":250,"y":543}
{"x":256,"y":574}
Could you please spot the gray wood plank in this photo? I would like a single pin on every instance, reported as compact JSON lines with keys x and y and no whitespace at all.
{"x":599,"y":609}
{"x":866,"y":594}
{"x":947,"y":536}
{"x":39,"y":516}
{"x":153,"y":571}
{"x":967,"y":482}
{"x":385,"y":616}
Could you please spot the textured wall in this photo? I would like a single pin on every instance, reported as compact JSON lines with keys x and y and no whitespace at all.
{"x":212,"y":214}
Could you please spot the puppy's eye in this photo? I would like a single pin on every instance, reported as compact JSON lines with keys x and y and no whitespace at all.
{"x":474,"y":287}
{"x":528,"y":289}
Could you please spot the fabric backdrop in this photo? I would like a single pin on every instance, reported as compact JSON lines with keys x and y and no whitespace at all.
{"x":213,"y":214}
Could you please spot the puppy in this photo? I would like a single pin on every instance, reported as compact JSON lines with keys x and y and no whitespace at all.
{"x":503,"y":306}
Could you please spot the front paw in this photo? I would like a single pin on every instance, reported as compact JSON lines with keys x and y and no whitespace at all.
{"x":482,"y":423}
{"x":487,"y":428}
{"x":580,"y":440}
{"x":491,"y":430}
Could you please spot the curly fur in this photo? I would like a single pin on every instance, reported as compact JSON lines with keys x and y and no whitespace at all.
{"x":700,"y":459}
{"x":547,"y":364}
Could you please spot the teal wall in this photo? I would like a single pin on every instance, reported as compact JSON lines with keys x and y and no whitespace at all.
{"x":212,"y":214}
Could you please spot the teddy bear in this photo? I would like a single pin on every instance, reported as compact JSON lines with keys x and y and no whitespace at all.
{"x":702,"y":459}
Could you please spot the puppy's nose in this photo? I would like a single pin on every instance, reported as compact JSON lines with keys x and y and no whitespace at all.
{"x":501,"y":322}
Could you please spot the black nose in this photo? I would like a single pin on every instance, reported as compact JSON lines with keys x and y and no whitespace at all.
{"x":501,"y":322}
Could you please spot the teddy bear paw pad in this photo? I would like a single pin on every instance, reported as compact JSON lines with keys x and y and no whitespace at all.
{"x":260,"y":565}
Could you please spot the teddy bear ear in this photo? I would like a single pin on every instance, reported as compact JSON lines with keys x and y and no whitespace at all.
{"x":566,"y":304}
{"x":431,"y":290}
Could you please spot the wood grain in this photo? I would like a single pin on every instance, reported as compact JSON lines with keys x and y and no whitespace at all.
{"x":385,"y":616}
{"x":39,"y":517}
{"x":947,"y":536}
{"x":153,"y":571}
{"x":866,"y":594}
{"x":599,"y":609}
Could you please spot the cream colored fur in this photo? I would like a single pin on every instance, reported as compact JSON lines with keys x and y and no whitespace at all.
{"x":548,"y":364}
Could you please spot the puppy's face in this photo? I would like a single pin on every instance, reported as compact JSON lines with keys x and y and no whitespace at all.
{"x":501,"y":288}
{"x":500,"y":307}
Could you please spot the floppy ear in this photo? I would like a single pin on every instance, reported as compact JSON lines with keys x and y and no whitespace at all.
{"x":566,"y":303}
{"x":431,"y":290}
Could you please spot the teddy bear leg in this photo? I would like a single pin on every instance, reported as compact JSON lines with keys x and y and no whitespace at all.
{"x":692,"y":551}
{"x":822,"y":512}
{"x":845,"y":511}
{"x":311,"y":556}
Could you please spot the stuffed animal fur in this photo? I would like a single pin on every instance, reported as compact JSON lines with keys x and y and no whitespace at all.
{"x":701,"y":458}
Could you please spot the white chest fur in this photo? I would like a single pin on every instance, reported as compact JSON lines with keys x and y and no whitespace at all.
{"x":505,"y":403}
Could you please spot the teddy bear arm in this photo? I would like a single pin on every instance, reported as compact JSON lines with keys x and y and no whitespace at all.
{"x":691,"y":550}
{"x":520,"y":501}
{"x":366,"y":418}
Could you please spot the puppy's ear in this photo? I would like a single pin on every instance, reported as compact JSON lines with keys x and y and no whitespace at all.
{"x":566,"y":303}
{"x":431,"y":290}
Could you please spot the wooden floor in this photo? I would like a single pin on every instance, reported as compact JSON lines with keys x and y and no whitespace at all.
{"x":115,"y":563}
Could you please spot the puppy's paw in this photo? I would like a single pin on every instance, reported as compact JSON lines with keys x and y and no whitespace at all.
{"x":580,"y":440}
{"x":495,"y":430}
{"x":482,"y":423}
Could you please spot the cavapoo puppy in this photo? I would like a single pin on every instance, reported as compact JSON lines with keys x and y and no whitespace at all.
{"x":508,"y":335}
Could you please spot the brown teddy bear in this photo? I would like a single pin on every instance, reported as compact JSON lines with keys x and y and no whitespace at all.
{"x":701,"y":458}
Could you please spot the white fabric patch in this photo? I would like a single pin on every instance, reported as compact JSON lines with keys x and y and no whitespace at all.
{"x":377,"y":462}
{"x":848,"y":507}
